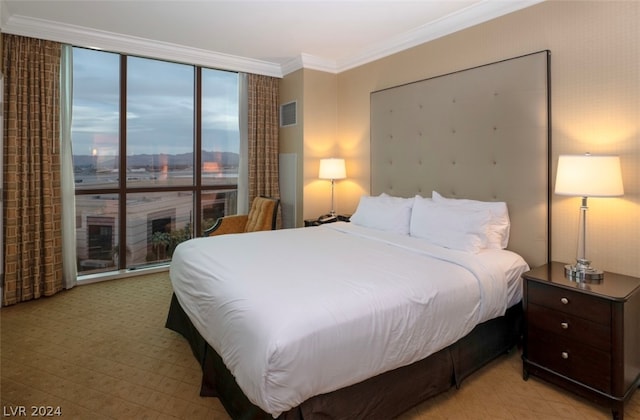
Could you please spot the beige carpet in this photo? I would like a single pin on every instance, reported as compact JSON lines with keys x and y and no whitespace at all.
{"x":101,"y":351}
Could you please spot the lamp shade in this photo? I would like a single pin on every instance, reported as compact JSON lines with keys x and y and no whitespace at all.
{"x":589,"y":176}
{"x":332,"y":168}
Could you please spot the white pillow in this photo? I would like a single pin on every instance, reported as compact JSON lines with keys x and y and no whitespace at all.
{"x":500,"y":225}
{"x":453,"y":227}
{"x":384,"y":212}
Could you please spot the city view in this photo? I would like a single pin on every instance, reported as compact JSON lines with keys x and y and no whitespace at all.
{"x":156,"y":222}
{"x":137,"y":124}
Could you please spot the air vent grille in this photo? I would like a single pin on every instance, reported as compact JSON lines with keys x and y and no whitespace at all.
{"x":288,"y":114}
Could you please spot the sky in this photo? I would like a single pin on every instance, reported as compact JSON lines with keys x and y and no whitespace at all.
{"x":160,"y":104}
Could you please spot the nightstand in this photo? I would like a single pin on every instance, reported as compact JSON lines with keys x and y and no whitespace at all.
{"x":583,"y":337}
{"x":321,"y":220}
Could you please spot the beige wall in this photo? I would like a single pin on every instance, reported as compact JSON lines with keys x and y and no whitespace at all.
{"x":320,"y":139}
{"x":291,"y":137}
{"x":595,"y":83}
{"x":314,"y":137}
{"x":595,"y":78}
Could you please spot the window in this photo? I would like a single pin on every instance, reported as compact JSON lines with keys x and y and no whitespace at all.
{"x":156,"y":155}
{"x":160,"y":123}
{"x":100,"y":240}
{"x":97,"y":232}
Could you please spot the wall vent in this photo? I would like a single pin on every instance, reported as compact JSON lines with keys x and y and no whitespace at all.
{"x":288,"y":114}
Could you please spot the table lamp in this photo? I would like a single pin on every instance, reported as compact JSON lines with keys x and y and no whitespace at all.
{"x":587,"y":176}
{"x":332,"y":168}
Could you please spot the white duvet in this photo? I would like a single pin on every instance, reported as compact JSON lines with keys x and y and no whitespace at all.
{"x":300,"y":312}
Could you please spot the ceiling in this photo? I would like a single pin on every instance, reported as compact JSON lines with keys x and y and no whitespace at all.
{"x":261,"y":36}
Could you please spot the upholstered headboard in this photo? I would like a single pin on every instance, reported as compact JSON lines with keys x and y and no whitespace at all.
{"x":481,"y":133}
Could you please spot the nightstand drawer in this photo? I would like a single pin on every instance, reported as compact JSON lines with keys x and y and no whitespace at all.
{"x":571,"y":302}
{"x":569,"y":326}
{"x":583,"y":337}
{"x":575,"y":360}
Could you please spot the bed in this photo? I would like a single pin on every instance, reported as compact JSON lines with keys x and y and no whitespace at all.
{"x":337,"y":321}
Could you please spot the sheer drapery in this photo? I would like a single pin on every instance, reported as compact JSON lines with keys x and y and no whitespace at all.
{"x":243,"y":167}
{"x":262,"y":105}
{"x":32,"y":206}
{"x":69,"y":266}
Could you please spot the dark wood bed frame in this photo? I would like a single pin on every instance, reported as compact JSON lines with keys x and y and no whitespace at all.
{"x":490,"y":129}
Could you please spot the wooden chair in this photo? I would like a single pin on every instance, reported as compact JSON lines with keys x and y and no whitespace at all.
{"x":262,"y":216}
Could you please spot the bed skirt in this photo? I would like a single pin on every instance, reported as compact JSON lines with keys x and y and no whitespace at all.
{"x":383,"y":396}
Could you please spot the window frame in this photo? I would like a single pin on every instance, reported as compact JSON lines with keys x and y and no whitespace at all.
{"x":123,"y":190}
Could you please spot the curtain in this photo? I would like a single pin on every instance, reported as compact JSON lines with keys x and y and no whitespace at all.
{"x":243,"y":166}
{"x":32,"y":206}
{"x":69,"y":265}
{"x":262,"y":103}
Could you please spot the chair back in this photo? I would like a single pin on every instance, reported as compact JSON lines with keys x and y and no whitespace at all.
{"x":263,"y":214}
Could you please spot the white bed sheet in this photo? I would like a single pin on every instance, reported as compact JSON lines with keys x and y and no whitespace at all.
{"x":299,"y":312}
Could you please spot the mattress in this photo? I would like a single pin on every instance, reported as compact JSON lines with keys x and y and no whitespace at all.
{"x":299,"y":312}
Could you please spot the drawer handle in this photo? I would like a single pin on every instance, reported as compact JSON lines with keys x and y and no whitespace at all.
{"x":564,"y":301}
{"x":565,"y":355}
{"x":564,"y":325}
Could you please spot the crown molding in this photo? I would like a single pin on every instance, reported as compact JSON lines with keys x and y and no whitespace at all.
{"x":91,"y":38}
{"x":308,"y":61}
{"x":103,"y":40}
{"x":454,"y":22}
{"x":292,"y":65}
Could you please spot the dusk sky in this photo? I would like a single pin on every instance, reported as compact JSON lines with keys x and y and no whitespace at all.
{"x":160,"y":106}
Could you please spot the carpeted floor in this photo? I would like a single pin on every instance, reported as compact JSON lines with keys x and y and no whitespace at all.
{"x":101,"y":351}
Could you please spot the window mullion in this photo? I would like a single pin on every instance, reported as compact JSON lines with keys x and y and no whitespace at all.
{"x":122,"y":170}
{"x":197,"y":202}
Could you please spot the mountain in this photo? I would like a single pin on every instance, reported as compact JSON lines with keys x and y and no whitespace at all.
{"x":156,"y":161}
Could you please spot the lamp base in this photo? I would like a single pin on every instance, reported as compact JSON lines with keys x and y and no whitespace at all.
{"x":582,"y":272}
